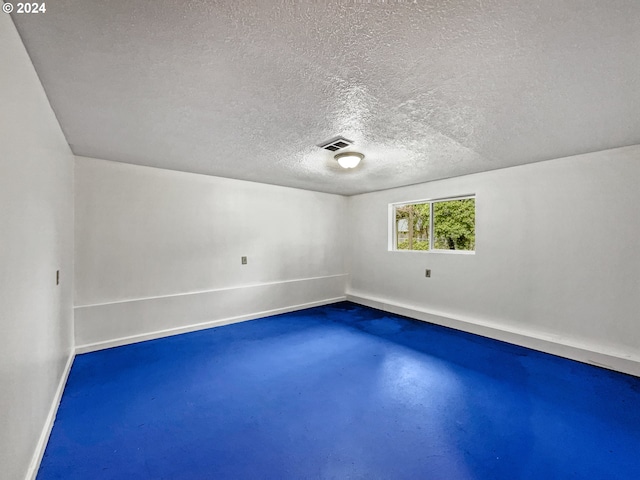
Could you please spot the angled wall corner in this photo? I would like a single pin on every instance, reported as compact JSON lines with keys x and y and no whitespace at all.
{"x":555,"y":266}
{"x":36,"y":241}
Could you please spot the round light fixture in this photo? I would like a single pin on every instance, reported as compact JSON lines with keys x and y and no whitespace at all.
{"x":349,"y":159}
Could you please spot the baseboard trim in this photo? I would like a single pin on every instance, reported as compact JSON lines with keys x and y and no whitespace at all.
{"x":41,"y":446}
{"x":92,"y":347}
{"x":618,"y":361}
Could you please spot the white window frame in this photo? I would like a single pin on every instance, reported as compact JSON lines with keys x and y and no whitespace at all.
{"x":393,"y":247}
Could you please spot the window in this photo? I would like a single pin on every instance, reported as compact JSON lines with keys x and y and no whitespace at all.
{"x":438,"y":225}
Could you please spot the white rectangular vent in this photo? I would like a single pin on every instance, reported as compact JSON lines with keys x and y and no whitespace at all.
{"x":335,"y":143}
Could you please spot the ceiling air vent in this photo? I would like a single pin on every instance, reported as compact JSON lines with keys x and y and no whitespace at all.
{"x":335,"y":143}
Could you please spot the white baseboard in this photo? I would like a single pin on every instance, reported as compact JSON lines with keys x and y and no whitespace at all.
{"x":41,"y":446}
{"x":620,"y":361}
{"x":142,"y":318}
{"x":200,"y":326}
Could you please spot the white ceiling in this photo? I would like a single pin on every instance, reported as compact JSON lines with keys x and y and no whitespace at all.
{"x":427,"y":89}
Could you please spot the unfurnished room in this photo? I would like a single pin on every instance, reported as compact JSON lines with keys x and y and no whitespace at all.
{"x":332,"y":239}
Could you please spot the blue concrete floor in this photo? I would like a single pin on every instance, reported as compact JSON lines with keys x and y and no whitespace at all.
{"x":341,"y":392}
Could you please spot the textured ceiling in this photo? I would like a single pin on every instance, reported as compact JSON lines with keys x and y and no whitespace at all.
{"x":427,"y":89}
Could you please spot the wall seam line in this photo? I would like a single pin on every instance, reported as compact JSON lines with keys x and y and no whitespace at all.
{"x":198,"y":292}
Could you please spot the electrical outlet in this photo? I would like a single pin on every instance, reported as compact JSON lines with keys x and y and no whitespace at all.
{"x":244,"y":260}
{"x":427,"y":273}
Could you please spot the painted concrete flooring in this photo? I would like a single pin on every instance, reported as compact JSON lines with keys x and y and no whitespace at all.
{"x":341,"y":392}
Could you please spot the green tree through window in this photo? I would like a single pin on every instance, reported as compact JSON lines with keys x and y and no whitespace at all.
{"x":413,"y":227}
{"x":453,"y":225}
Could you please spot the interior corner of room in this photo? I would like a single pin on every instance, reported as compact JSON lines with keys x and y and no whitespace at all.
{"x":98,"y":252}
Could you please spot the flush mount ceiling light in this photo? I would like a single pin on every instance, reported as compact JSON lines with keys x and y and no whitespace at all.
{"x":349,"y":159}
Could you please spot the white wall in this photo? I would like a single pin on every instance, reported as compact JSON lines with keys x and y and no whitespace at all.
{"x":159,"y":250}
{"x":557,"y":256}
{"x":36,"y":239}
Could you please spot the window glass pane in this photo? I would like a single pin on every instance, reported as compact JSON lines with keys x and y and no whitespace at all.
{"x":454,"y":224}
{"x":412,"y":227}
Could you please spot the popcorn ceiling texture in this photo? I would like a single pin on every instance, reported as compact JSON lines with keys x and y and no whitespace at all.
{"x":427,"y":89}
